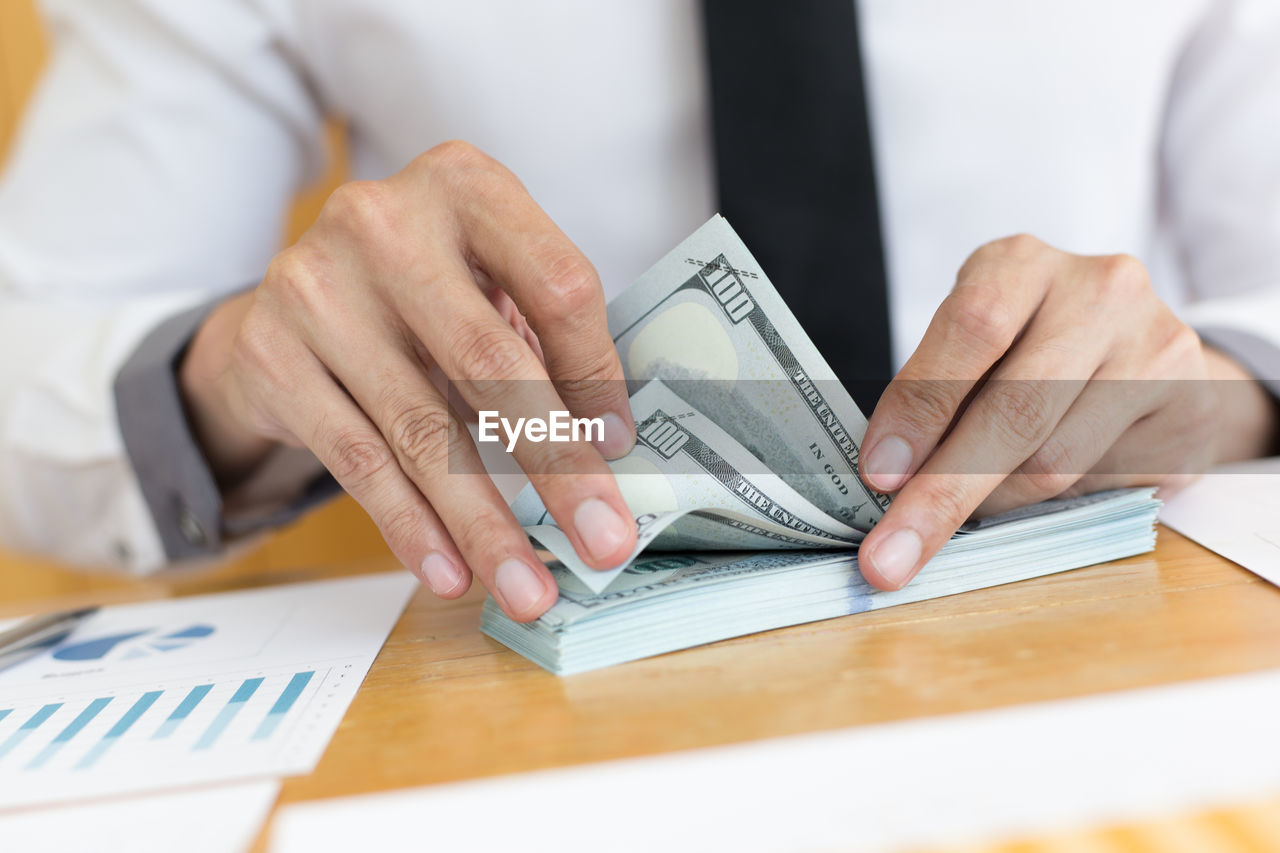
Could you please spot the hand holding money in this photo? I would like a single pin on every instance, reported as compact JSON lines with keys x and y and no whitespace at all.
{"x":447,"y":265}
{"x":1044,"y":374}
{"x":745,"y":489}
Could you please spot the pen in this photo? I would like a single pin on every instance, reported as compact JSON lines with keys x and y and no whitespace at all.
{"x":38,"y":634}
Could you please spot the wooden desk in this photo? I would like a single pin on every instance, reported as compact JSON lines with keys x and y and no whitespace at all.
{"x":443,"y":702}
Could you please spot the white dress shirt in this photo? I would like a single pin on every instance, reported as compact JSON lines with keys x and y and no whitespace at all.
{"x":162,"y":148}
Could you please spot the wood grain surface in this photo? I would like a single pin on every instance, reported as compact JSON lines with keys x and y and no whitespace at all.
{"x":445,"y":703}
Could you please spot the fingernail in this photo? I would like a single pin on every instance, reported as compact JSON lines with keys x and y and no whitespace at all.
{"x":895,"y":558}
{"x":440,"y":573}
{"x":603,"y":531}
{"x":618,"y":439}
{"x":520,"y":586}
{"x":887,"y":463}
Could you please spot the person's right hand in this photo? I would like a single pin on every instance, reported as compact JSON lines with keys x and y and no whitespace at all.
{"x":439,"y":265}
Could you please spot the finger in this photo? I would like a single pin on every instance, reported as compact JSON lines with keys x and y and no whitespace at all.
{"x":431,"y":448}
{"x":559,"y":291}
{"x":997,"y":293}
{"x":509,"y":312}
{"x":1097,"y":420}
{"x":1137,"y":422}
{"x":435,"y":451}
{"x":1155,"y":451}
{"x":494,"y":370}
{"x":1011,"y":416}
{"x":308,"y":404}
{"x":1164,"y":448}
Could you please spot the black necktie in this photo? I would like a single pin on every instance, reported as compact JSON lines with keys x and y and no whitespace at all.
{"x":795,"y":171}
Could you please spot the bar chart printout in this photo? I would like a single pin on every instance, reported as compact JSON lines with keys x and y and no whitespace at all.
{"x":121,"y":728}
{"x":154,"y":719}
{"x":192,"y":725}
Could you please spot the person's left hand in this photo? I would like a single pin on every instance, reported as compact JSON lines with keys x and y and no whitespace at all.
{"x":1043,"y":374}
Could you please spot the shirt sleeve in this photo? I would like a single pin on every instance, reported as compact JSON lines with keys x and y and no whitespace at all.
{"x":150,"y":176}
{"x":1222,"y":175}
{"x":193,"y":518}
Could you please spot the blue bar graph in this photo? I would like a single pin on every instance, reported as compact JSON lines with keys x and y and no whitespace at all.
{"x":117,"y":731}
{"x":290,"y":695}
{"x":73,"y":728}
{"x":242,"y":695}
{"x":27,"y":728}
{"x":184,"y":709}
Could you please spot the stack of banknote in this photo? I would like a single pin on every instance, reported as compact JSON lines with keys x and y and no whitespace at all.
{"x":745,"y":489}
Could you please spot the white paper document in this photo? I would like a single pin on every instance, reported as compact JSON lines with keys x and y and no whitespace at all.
{"x":1234,"y":510}
{"x":194,"y":690}
{"x":977,"y":777}
{"x":220,"y":819}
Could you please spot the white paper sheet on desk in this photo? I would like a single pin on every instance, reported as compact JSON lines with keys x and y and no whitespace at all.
{"x":1234,"y":510}
{"x":221,"y":819}
{"x":189,"y":691}
{"x":977,"y":777}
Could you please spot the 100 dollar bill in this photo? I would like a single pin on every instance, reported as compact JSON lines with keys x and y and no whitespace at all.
{"x":706,"y":320}
{"x":691,"y":486}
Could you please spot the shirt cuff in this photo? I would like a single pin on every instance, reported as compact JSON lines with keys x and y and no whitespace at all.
{"x":1256,"y":354}
{"x":185,"y":502}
